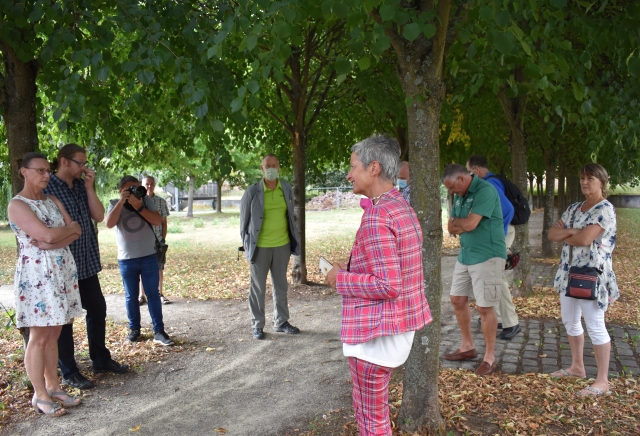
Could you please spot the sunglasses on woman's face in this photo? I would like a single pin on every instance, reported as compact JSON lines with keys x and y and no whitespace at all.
{"x":41,"y":171}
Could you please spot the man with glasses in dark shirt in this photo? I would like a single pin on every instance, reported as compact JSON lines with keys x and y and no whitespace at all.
{"x":79,"y":198}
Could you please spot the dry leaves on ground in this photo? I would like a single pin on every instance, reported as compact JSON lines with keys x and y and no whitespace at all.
{"x":15,"y":390}
{"x":504,"y":404}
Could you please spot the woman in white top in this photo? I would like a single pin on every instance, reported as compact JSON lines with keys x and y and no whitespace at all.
{"x":588,"y":228}
{"x":45,"y":282}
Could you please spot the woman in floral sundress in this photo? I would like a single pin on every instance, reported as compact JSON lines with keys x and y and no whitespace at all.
{"x":45,"y":282}
{"x":588,"y":228}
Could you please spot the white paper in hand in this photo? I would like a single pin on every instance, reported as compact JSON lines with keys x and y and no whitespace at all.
{"x":325,"y":266}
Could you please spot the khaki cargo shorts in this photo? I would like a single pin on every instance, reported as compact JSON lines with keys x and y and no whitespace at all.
{"x":482,"y":281}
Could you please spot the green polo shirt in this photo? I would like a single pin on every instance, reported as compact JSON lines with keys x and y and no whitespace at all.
{"x":487,"y":240}
{"x":275,"y":228}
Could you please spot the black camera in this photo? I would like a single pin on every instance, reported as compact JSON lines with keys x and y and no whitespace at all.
{"x":137,"y":191}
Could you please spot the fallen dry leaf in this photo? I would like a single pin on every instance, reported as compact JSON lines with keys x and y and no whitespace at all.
{"x":136,"y":428}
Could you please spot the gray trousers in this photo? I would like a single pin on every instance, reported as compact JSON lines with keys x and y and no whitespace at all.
{"x":507,"y":314}
{"x":275,"y":260}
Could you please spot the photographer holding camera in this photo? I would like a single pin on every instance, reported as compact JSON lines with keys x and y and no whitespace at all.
{"x":133,"y":215}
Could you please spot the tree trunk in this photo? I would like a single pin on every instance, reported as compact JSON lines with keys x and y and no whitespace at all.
{"x":18,"y":95}
{"x":514,"y":109}
{"x":573,"y":187}
{"x":18,"y":99}
{"x":562,"y":202}
{"x":421,"y":74}
{"x":539,"y":197}
{"x":550,"y":162}
{"x":192,"y":183}
{"x":401,"y":136}
{"x":531,"y":198}
{"x":299,"y":267}
{"x":219,"y":195}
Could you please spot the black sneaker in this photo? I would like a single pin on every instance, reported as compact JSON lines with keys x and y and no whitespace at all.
{"x":162,"y":338}
{"x":258,"y":333}
{"x":287,"y":328}
{"x":112,"y":367}
{"x":78,"y":381}
{"x":134,"y":334}
{"x":509,"y":333}
{"x":164,"y":300}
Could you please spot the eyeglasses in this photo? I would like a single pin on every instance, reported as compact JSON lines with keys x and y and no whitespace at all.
{"x":80,"y":164}
{"x":41,"y":171}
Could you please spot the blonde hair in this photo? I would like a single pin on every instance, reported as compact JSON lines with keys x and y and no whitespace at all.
{"x":597,"y":171}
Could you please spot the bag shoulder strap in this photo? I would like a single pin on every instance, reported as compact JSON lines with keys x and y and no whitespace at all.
{"x":143,"y":219}
{"x":573,"y":218}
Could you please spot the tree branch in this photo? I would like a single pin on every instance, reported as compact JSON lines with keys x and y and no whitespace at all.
{"x":284,"y":124}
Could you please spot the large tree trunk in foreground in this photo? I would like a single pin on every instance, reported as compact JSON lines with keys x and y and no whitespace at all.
{"x":420,"y":67}
{"x":18,"y":100}
{"x":514,"y":109}
{"x":550,"y":161}
{"x":18,"y":97}
{"x":299,"y":267}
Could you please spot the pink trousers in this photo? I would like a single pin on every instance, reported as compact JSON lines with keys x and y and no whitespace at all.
{"x":371,"y":397}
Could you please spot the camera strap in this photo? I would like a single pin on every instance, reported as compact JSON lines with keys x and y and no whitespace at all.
{"x":143,"y":219}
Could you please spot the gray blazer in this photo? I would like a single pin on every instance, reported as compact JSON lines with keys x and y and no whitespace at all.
{"x":251,"y":212}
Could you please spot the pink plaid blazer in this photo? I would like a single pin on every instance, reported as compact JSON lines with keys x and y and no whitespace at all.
{"x":383,"y":289}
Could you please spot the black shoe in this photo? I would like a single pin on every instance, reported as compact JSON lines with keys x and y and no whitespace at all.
{"x":78,"y":381}
{"x":134,"y":334}
{"x":509,"y":333}
{"x":499,"y":324}
{"x":113,"y":367}
{"x":164,"y":300}
{"x":162,"y":338}
{"x":258,"y":333}
{"x":287,"y":328}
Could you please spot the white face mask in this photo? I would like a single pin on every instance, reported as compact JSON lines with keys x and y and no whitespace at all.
{"x":271,"y":174}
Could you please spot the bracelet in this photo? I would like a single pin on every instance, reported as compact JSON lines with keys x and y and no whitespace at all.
{"x":140,"y":208}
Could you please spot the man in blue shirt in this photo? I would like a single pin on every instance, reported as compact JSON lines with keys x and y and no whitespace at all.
{"x":79,"y":198}
{"x":507,"y":316}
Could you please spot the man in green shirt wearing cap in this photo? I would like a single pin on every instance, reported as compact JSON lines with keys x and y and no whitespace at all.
{"x":477,"y":217}
{"x":269,"y":237}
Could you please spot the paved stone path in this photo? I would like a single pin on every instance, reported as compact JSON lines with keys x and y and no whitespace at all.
{"x":542,"y":346}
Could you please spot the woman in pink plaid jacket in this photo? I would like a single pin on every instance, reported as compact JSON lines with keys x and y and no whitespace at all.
{"x":382,"y":286}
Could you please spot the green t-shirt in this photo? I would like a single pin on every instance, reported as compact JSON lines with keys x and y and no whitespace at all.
{"x":487,"y":240}
{"x":275,"y":228}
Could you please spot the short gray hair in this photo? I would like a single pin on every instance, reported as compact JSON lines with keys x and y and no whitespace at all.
{"x":383,"y":149}
{"x":126,"y":179}
{"x":454,"y":170}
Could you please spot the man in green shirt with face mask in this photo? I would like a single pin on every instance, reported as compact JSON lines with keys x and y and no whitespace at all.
{"x":269,"y":237}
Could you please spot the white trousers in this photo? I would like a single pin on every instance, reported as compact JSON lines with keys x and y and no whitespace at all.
{"x":572,"y":309}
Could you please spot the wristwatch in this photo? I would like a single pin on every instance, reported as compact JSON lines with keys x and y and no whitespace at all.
{"x":140,"y":208}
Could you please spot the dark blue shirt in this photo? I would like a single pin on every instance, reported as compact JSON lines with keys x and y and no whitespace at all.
{"x":507,"y":207}
{"x":84,"y":249}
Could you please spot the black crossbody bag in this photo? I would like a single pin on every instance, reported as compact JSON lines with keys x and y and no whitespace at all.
{"x":583,"y":281}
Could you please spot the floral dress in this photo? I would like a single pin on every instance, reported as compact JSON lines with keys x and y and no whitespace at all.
{"x":46,"y":281}
{"x":597,"y":255}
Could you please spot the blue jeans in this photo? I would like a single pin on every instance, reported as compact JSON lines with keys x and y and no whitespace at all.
{"x":145,"y":268}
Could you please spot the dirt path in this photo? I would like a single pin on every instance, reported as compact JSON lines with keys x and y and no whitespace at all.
{"x":245,"y":386}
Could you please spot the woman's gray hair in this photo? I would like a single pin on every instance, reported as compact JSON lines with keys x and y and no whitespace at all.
{"x":383,"y":149}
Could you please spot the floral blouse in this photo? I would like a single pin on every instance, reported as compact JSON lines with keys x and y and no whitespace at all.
{"x":597,"y":255}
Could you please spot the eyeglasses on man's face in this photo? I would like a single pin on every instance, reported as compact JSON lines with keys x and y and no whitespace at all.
{"x":41,"y":171}
{"x":80,"y":164}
